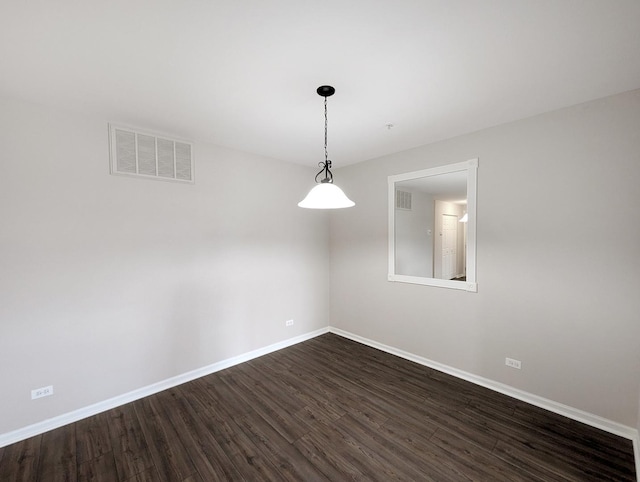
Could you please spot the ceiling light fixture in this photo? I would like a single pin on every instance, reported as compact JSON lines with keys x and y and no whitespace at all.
{"x":326,"y":195}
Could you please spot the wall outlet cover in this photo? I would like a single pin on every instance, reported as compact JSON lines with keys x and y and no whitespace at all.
{"x":41,"y":392}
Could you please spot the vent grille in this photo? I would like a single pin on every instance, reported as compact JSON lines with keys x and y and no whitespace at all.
{"x":140,"y":154}
{"x":403,"y":200}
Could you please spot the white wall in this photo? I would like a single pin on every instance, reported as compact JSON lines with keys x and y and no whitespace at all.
{"x":414,"y":233}
{"x":110,"y":283}
{"x":558,"y":259}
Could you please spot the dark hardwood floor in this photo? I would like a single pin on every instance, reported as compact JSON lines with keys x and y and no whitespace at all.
{"x":325,"y":409}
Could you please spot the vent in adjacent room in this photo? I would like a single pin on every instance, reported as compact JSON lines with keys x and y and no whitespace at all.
{"x":403,"y":200}
{"x":147,"y":155}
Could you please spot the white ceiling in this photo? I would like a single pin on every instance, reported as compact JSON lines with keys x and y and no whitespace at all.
{"x":244,"y":73}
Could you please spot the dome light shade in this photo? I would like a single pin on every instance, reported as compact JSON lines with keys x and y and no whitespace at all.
{"x":326,"y":196}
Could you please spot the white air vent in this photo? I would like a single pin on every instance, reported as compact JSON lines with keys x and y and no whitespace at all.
{"x":403,"y":200}
{"x":140,"y":154}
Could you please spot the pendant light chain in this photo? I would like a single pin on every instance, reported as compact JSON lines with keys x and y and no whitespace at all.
{"x":326,"y":165}
{"x":326,"y":156}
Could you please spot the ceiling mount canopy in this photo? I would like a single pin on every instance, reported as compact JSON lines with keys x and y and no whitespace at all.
{"x":325,"y":195}
{"x":325,"y":91}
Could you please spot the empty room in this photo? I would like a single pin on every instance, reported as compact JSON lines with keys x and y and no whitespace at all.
{"x":311,"y":241}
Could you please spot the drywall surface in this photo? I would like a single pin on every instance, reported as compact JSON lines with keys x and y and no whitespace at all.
{"x":111,"y":283}
{"x":415,"y":236}
{"x":558,"y":259}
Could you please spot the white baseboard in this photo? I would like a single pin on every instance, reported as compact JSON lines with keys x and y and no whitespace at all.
{"x":70,"y":417}
{"x":559,"y":408}
{"x":636,"y":452}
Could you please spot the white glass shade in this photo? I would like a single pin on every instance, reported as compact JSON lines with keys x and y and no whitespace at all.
{"x":464,"y":218}
{"x":326,"y":196}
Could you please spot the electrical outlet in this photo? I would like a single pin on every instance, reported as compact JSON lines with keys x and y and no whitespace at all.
{"x":510,"y":362}
{"x":41,"y":392}
{"x":289,"y":323}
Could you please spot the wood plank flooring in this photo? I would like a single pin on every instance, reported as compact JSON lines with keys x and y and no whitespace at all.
{"x":325,"y":409}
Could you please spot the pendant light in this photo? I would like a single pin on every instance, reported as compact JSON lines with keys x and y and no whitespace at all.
{"x":326,"y":195}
